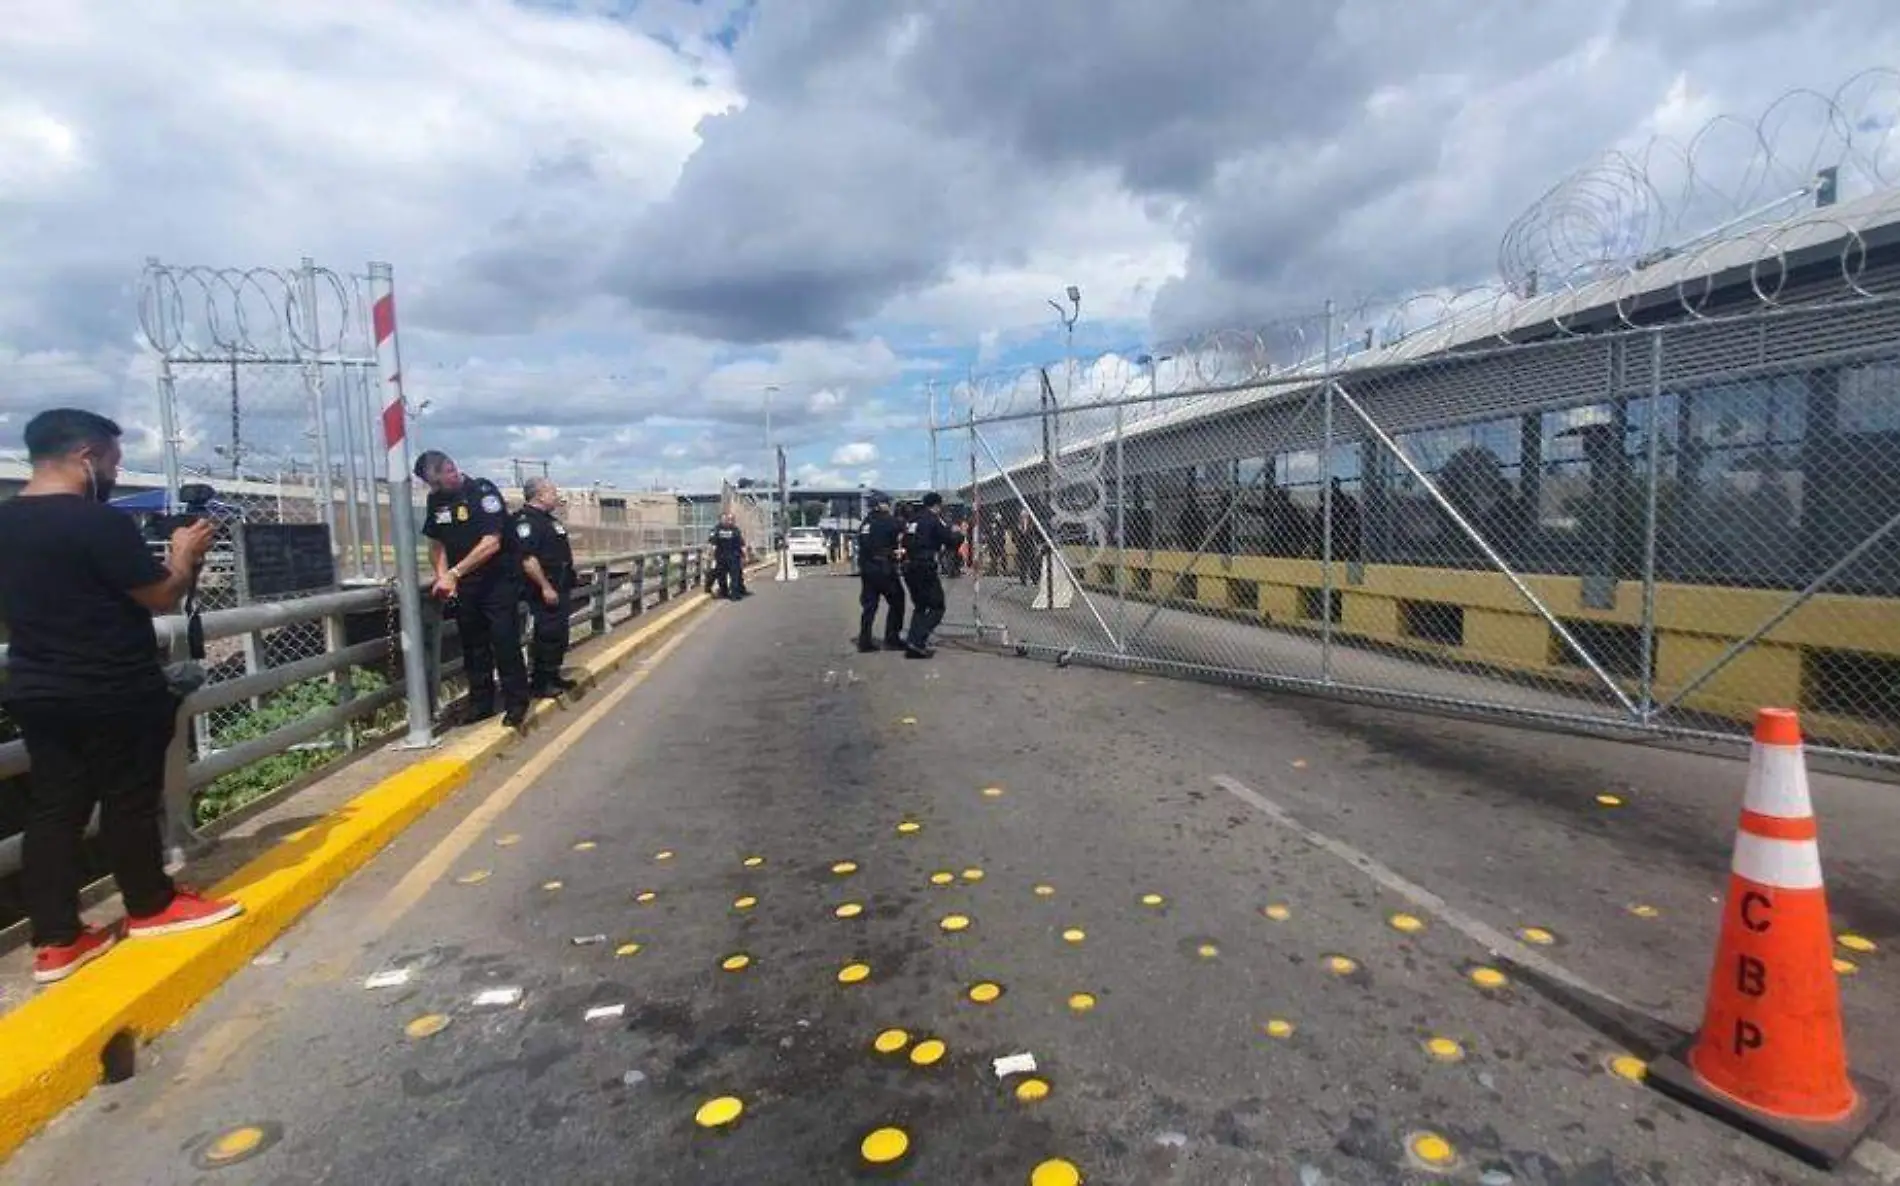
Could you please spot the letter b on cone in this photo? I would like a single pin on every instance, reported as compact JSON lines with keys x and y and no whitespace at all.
{"x":1771,"y":1056}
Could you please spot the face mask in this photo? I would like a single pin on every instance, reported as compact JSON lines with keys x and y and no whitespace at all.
{"x":101,"y":488}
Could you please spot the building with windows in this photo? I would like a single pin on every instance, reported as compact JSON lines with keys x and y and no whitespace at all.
{"x":1696,"y":457}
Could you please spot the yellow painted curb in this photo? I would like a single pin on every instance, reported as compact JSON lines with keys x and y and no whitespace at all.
{"x":52,"y":1048}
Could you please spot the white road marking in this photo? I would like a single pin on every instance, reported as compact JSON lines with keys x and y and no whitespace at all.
{"x":1478,"y":931}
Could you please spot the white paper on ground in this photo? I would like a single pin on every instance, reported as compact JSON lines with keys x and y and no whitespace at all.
{"x":1015,"y":1064}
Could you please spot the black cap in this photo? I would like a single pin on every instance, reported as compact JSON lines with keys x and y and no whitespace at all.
{"x":878,"y":498}
{"x":933,"y":499}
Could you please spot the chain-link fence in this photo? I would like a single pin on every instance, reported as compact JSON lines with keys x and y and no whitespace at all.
{"x":1625,"y":526}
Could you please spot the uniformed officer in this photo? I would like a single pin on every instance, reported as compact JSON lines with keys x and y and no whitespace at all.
{"x":879,"y":537}
{"x":728,"y":545}
{"x":547,"y":561}
{"x":925,"y":538}
{"x":475,"y":566}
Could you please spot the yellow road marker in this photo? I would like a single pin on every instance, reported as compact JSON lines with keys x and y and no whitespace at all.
{"x":909,"y":827}
{"x":626,"y":949}
{"x":1152,"y":899}
{"x":1279,"y":1027}
{"x":985,"y":992}
{"x":1444,"y":1049}
{"x":665,"y":854}
{"x":737,"y":962}
{"x":745,"y":903}
{"x":942,"y":877}
{"x":890,"y":1041}
{"x":992,"y":792}
{"x":1277,"y":912}
{"x":1609,"y":800}
{"x":753,"y":862}
{"x":1074,"y":935}
{"x":551,"y":886}
{"x":718,"y":1112}
{"x":1485,"y":977}
{"x":1853,"y":942}
{"x":1629,"y":1067}
{"x":1045,"y":891}
{"x":1537,"y":935}
{"x":853,"y":973}
{"x":845,"y":868}
{"x":1410,"y":924}
{"x":1431,"y":1150}
{"x":1081,"y":1002}
{"x":885,"y":1146}
{"x":1207,"y":951}
{"x":585,"y":846}
{"x":955,"y":922}
{"x":1031,"y":1090}
{"x":1055,"y":1172}
{"x":1341,"y":965}
{"x":427,"y":1026}
{"x":849,"y":910}
{"x":928,"y":1051}
{"x":645,"y":896}
{"x":235,"y":1145}
{"x":973,"y":874}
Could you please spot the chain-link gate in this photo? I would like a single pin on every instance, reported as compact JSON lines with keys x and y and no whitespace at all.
{"x":1632,"y":524}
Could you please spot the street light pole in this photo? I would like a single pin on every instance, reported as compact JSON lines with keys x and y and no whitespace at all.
{"x":1046,"y":590}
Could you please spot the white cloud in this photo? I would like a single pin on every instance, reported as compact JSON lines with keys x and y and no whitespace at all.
{"x":855,"y":453}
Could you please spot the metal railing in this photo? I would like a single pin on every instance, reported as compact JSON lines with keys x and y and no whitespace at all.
{"x":619,"y":589}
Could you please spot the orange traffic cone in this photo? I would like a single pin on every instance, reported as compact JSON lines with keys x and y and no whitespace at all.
{"x":1770,"y":1057}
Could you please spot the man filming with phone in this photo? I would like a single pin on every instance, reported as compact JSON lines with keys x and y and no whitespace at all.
{"x":85,"y":685}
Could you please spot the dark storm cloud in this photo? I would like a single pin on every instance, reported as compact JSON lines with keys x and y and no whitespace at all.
{"x":1308,"y":148}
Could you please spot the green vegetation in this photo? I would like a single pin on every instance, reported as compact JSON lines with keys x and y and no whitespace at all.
{"x":283,"y":708}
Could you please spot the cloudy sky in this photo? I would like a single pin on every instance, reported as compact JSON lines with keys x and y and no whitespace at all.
{"x":614,"y":226}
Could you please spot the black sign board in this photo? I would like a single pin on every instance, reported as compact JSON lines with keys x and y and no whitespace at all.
{"x":282,"y":558}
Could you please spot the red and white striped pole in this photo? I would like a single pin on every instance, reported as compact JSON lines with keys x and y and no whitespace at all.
{"x":402,"y":507}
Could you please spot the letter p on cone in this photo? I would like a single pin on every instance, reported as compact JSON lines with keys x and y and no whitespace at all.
{"x":1771,"y":1057}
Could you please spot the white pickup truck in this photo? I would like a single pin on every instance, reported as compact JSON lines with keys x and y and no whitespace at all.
{"x":807,"y":545}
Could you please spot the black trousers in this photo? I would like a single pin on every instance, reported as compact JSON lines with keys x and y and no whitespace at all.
{"x":926,"y":595}
{"x":879,"y":583}
{"x":547,"y":647}
{"x":486,"y":616}
{"x":112,"y":756}
{"x":728,"y":575}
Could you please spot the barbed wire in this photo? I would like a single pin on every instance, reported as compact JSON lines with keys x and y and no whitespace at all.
{"x":1799,"y":188}
{"x":196,"y":313}
{"x":1732,"y":174}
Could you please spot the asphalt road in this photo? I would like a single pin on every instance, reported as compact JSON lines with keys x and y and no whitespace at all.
{"x":1221,"y":1042}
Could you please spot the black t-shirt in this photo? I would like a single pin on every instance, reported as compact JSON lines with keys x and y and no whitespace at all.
{"x":539,"y":534}
{"x":67,"y":569}
{"x":727,"y":542}
{"x":459,"y":519}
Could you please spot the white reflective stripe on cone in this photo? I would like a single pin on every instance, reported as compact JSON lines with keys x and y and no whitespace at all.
{"x":1783,"y":864}
{"x":1778,"y":782}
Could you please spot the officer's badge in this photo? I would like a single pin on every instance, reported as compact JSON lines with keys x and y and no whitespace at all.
{"x":443,"y":515}
{"x":491,"y":503}
{"x":461,"y":514}
{"x":559,"y":530}
{"x":523,"y":530}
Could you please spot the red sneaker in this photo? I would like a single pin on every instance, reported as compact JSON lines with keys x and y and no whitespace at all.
{"x":53,"y":964}
{"x":187,"y":912}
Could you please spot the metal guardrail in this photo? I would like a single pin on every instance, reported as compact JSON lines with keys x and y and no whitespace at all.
{"x":620,"y":588}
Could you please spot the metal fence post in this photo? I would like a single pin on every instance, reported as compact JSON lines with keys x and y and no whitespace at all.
{"x":1652,"y":450}
{"x":602,"y":574}
{"x":181,"y":835}
{"x":639,"y":585}
{"x":335,"y":638}
{"x":666,"y":585}
{"x":402,"y":506}
{"x":1121,"y":530}
{"x":1326,"y":508}
{"x":320,"y":417}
